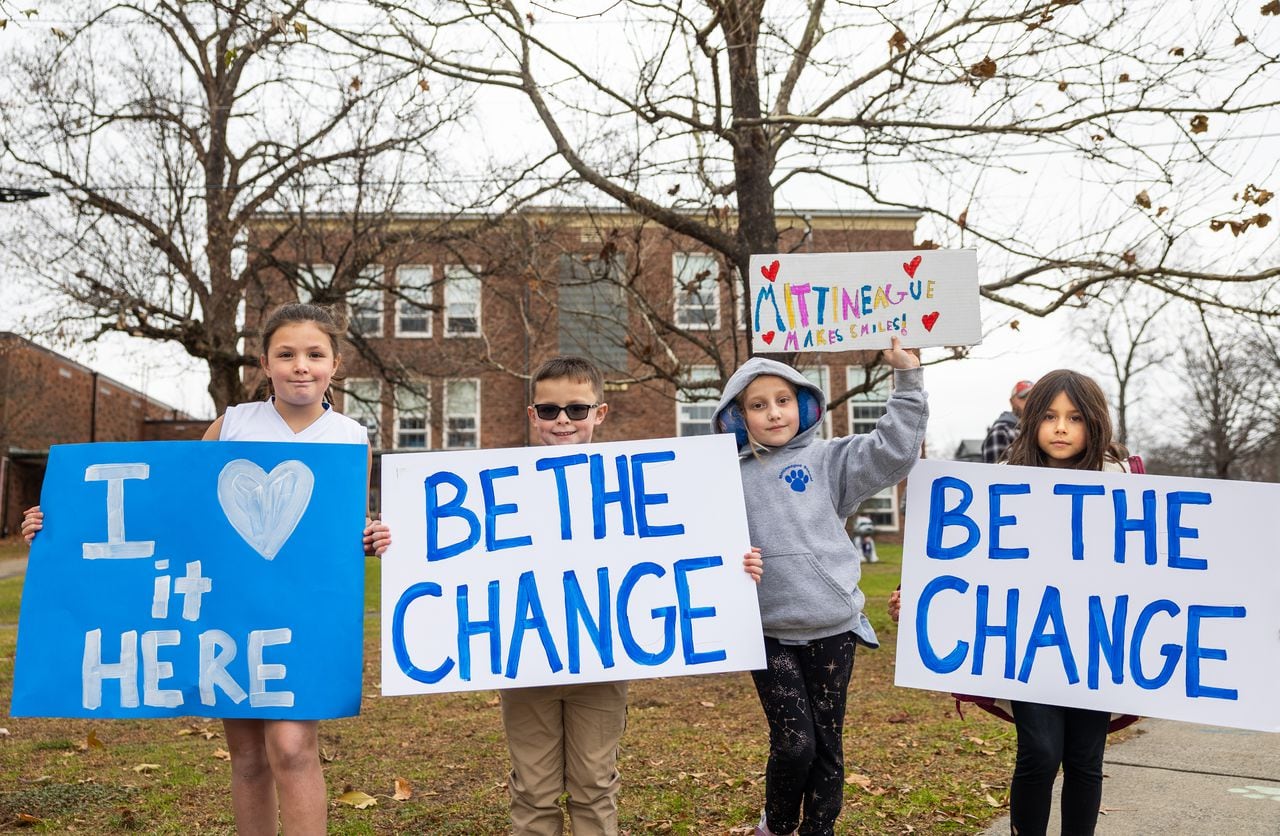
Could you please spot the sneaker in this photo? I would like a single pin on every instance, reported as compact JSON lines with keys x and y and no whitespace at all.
{"x":762,"y":829}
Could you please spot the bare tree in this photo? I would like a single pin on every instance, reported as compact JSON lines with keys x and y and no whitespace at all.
{"x":681,"y":110}
{"x":168,"y":127}
{"x":1230,"y":407}
{"x":1128,"y":332}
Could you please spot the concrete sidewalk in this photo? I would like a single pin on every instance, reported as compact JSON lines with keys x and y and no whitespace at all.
{"x":1178,"y":778}
{"x":13,"y":566}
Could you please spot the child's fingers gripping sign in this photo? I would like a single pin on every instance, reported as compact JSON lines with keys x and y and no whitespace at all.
{"x":900,"y":358}
{"x":32,"y":522}
{"x":377,"y":537}
{"x":753,"y":564}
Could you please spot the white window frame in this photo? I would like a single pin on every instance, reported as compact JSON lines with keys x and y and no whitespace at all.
{"x":414,"y":300}
{"x":404,"y":396}
{"x":694,"y":316}
{"x":448,"y":414}
{"x":367,"y":302}
{"x":684,"y":400}
{"x":357,"y":414}
{"x":739,"y":309}
{"x":823,"y":373}
{"x":322,"y":274}
{"x":854,"y":376}
{"x":453,"y":274}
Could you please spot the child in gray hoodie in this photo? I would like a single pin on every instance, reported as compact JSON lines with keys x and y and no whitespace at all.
{"x":799,"y":491}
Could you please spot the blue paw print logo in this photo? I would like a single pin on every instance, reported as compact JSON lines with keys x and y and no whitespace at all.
{"x":797,"y":477}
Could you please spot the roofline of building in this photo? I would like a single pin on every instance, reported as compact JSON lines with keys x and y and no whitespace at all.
{"x":102,"y":378}
{"x":616,"y":211}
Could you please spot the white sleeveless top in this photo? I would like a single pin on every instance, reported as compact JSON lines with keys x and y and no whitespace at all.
{"x":259,"y":421}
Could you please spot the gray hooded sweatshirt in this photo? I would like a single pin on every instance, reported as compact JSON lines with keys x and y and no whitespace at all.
{"x":799,"y":495}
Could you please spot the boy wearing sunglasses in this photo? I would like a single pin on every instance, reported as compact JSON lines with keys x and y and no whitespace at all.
{"x":564,"y":738}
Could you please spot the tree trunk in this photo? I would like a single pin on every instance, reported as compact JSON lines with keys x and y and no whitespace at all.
{"x":752,"y":154}
{"x":225,"y":386}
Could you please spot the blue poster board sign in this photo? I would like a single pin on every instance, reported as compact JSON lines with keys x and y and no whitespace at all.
{"x":191,"y":578}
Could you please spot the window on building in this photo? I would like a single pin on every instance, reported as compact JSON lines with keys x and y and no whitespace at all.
{"x":865,"y":410}
{"x":413,"y":417}
{"x":697,"y":290}
{"x":820,"y":376}
{"x":592,"y":310}
{"x":413,"y":300}
{"x":314,"y":280}
{"x":461,"y":414}
{"x":362,"y":403}
{"x":461,"y":301}
{"x":365,"y":300}
{"x":696,"y":402}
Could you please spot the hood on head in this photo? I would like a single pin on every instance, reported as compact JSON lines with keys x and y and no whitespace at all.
{"x":729,"y":418}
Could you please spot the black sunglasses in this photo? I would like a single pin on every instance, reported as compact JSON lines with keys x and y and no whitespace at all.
{"x":575,"y":411}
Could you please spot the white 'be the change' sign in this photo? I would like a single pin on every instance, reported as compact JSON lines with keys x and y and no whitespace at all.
{"x":1145,"y":595}
{"x":557,"y":565}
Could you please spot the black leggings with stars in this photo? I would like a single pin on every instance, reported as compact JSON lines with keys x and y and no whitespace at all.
{"x":803,"y":695}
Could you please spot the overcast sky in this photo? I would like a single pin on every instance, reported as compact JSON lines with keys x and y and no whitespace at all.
{"x":1052,"y":196}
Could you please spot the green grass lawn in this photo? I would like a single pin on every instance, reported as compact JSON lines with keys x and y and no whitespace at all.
{"x":692,"y":758}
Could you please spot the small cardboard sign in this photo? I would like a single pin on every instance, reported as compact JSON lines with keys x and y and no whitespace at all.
{"x":858,"y":301}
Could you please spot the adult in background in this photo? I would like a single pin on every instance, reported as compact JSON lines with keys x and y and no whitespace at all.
{"x":1005,"y":429}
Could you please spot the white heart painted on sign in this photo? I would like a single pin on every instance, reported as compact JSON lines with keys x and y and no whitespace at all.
{"x":265,"y":507}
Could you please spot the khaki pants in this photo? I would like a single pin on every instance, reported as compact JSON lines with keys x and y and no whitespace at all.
{"x":564,"y":738}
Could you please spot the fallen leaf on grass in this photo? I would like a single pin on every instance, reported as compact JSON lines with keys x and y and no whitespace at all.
{"x":357,"y":799}
{"x":4,"y":732}
{"x":744,"y":830}
{"x":222,"y":754}
{"x":325,"y":757}
{"x":403,"y":791}
{"x":202,"y":731}
{"x":977,"y":740}
{"x":707,"y":704}
{"x":901,"y":717}
{"x":863,"y":781}
{"x":146,"y":767}
{"x":991,"y":800}
{"x":90,"y":742}
{"x":26,"y":820}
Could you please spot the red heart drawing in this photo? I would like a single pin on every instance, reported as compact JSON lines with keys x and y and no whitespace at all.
{"x":929,"y":320}
{"x":770,"y":272}
{"x":910,"y":266}
{"x":768,"y":336}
